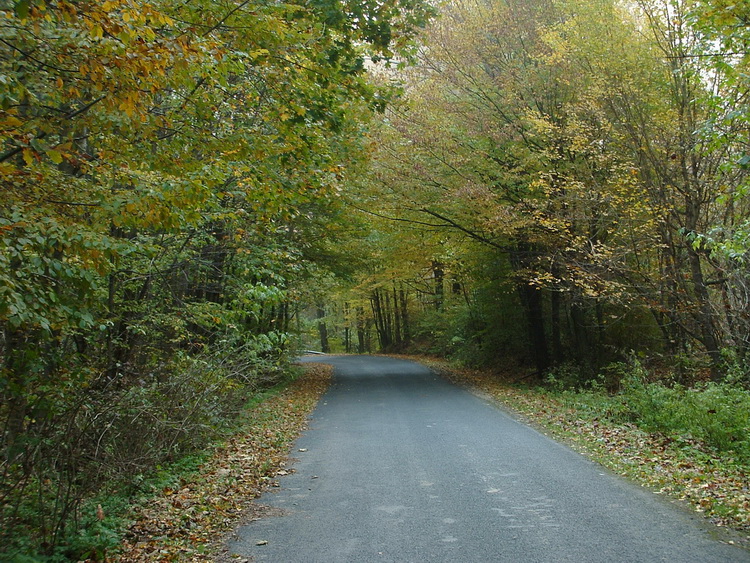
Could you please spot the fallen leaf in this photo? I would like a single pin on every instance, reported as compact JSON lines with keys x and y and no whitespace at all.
{"x":223,"y":493}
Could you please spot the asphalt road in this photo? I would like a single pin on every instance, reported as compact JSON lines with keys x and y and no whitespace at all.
{"x":400,"y":465}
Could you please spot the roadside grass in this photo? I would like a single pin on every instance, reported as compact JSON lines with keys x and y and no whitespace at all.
{"x":190,"y":506}
{"x":714,"y":483}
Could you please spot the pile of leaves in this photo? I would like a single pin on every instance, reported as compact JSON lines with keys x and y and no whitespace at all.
{"x":187,"y":521}
{"x":680,"y":467}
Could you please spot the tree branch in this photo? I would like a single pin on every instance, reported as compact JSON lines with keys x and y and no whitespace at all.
{"x":472,"y":234}
{"x":13,"y":152}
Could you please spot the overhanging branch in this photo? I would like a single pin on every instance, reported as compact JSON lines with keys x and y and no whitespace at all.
{"x":448,"y":222}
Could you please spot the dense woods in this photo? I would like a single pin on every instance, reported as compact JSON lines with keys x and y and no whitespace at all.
{"x":189,"y":186}
{"x":168,"y":170}
{"x":579,"y":169}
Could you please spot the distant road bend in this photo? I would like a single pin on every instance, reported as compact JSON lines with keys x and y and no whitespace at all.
{"x":401,"y":466}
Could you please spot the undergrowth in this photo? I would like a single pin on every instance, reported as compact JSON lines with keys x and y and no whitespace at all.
{"x":106,"y":516}
{"x":65,"y":498}
{"x":714,"y":414}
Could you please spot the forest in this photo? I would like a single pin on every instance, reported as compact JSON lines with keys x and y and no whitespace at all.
{"x":196,"y":190}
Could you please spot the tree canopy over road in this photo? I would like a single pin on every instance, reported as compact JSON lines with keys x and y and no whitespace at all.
{"x":591,"y":159}
{"x":190,"y":185}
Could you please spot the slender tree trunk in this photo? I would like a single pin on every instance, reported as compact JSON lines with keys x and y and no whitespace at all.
{"x":323,"y":330}
{"x":361,"y":330}
{"x":385,"y":300}
{"x":704,"y":314}
{"x":375,"y":304}
{"x":532,"y":300}
{"x":284,"y":317}
{"x":381,"y":319}
{"x":438,"y":275}
{"x":557,"y":355}
{"x":347,"y":329}
{"x":406,"y":330}
{"x":396,"y":319}
{"x":581,"y":337}
{"x":16,"y":364}
{"x":600,"y":333}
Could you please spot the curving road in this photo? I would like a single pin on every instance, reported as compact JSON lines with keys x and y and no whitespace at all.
{"x":402,"y":466}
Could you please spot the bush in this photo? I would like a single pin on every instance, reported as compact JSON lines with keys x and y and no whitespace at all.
{"x":118,"y":431}
{"x":717,"y":414}
{"x":570,"y":377}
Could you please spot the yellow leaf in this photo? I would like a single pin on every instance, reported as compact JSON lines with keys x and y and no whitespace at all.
{"x":11,"y":121}
{"x":28,"y":156}
{"x":6,"y":168}
{"x":55,"y":156}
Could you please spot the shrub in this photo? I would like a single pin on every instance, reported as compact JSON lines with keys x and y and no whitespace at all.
{"x":117,"y":431}
{"x":717,"y":414}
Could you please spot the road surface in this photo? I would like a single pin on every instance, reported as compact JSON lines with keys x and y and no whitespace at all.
{"x":401,"y":466}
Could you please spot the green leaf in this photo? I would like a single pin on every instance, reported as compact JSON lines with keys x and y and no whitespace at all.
{"x":22,"y":9}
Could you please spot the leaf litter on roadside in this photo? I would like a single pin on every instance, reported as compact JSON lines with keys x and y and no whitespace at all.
{"x":675,"y":466}
{"x":184,"y":523}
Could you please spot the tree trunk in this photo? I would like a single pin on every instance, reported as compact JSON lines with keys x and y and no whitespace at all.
{"x":347,"y":329}
{"x":361,"y":330}
{"x":531,"y":298}
{"x":385,"y":301}
{"x":438,"y":275}
{"x":323,"y":330}
{"x":382,"y":322}
{"x":704,"y":315}
{"x":557,"y":355}
{"x":396,"y":319}
{"x":406,"y":331}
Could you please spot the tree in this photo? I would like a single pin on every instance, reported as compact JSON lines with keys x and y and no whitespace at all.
{"x":574,"y":139}
{"x":156,"y":157}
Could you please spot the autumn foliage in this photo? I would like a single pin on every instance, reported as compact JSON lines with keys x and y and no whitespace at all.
{"x":161,"y":163}
{"x":579,"y":171}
